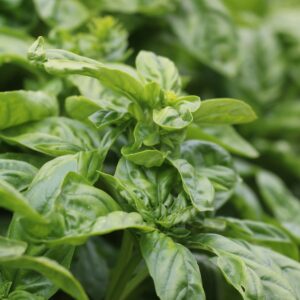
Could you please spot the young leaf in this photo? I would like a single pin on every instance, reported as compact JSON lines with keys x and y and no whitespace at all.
{"x":159,"y":69}
{"x":224,"y":111}
{"x":119,"y":78}
{"x":172,"y":267}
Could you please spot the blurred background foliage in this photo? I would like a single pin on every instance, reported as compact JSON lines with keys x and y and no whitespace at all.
{"x":248,"y":50}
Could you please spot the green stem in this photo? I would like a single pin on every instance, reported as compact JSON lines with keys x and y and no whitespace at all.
{"x":125,"y":266}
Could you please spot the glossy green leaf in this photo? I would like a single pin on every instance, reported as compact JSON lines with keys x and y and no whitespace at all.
{"x":169,"y":118}
{"x":18,"y":107}
{"x":213,"y":162}
{"x":17,"y":173}
{"x":60,"y":276}
{"x":224,"y":111}
{"x":119,"y":78}
{"x":103,"y":118}
{"x":54,"y":136}
{"x":255,"y":232}
{"x":159,"y":69}
{"x":197,"y":186}
{"x":280,"y":201}
{"x":172,"y":267}
{"x":13,"y":200}
{"x":255,"y":272}
{"x":148,"y":158}
{"x":223,"y":135}
{"x":114,"y":221}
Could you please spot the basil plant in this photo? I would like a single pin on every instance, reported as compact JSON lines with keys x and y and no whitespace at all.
{"x":120,"y":154}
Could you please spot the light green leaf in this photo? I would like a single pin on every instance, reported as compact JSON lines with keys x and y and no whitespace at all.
{"x":153,"y":8}
{"x":14,"y":47}
{"x":11,"y":248}
{"x":103,"y":118}
{"x":60,"y":276}
{"x":80,"y":107}
{"x":280,"y":201}
{"x":224,"y":111}
{"x":259,"y":80}
{"x":159,"y":69}
{"x":169,"y":118}
{"x":54,"y":136}
{"x":223,"y":135}
{"x":172,"y":267}
{"x":206,"y":31}
{"x":18,"y":107}
{"x":23,"y":295}
{"x":17,"y":173}
{"x":13,"y":200}
{"x":148,"y":158}
{"x":120,"y":78}
{"x":63,"y":14}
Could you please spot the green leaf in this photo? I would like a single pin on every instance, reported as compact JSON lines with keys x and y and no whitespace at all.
{"x":17,"y":173}
{"x":169,"y":118}
{"x":206,"y":31}
{"x":259,"y":80}
{"x":159,"y":69}
{"x":153,"y":192}
{"x":223,"y":135}
{"x":153,"y":8}
{"x":14,"y":47}
{"x":148,"y":158}
{"x":13,"y":200}
{"x":282,"y":204}
{"x":11,"y":248}
{"x":103,"y":118}
{"x":54,"y":136}
{"x":62,"y":14}
{"x":114,"y":221}
{"x":247,"y":203}
{"x":23,"y":295}
{"x":18,"y":107}
{"x":224,"y":111}
{"x":120,"y":78}
{"x":80,"y":107}
{"x":173,"y":268}
{"x":255,"y":272}
{"x":60,"y":276}
{"x":213,"y":162}
{"x":255,"y":232}
{"x":198,"y":187}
